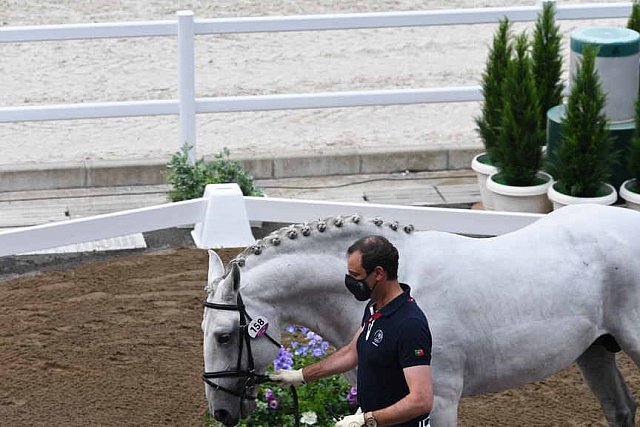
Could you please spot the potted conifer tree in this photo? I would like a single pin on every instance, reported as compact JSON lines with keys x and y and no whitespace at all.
{"x":634,"y":19}
{"x":630,"y":189}
{"x":547,"y":61}
{"x":519,"y":185}
{"x":489,"y":120}
{"x":582,"y":158}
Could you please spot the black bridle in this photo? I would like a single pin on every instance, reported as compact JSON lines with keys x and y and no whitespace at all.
{"x":250,"y":375}
{"x":251,"y":378}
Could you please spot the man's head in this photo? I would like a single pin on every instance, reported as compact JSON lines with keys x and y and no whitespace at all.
{"x":370,"y":252}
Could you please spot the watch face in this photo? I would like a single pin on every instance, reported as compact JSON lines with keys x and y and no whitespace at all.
{"x":371,"y":422}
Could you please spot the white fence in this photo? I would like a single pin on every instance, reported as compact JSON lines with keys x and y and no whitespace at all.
{"x":186,"y":28}
{"x":222,"y":220}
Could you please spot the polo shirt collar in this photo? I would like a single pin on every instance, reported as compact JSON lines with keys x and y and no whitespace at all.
{"x":397,"y":302}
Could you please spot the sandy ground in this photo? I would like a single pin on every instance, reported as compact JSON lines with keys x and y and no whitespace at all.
{"x":118,"y":343}
{"x":145,"y":68}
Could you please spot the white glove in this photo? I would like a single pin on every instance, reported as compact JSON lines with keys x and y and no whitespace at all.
{"x":355,"y":420}
{"x":287,"y":377}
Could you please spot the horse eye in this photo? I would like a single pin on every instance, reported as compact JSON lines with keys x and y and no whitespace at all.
{"x":224,"y":338}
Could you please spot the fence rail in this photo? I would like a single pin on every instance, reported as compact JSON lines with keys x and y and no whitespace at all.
{"x":211,"y":210}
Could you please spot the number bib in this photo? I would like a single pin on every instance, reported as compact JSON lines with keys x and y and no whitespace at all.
{"x":258,"y":326}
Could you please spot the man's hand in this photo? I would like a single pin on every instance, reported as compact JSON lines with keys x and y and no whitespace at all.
{"x":356,"y":420}
{"x":287,"y":377}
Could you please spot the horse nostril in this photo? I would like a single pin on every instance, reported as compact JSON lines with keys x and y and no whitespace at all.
{"x":221,"y":415}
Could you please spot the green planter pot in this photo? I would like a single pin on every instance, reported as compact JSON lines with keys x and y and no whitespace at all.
{"x":621,"y":132}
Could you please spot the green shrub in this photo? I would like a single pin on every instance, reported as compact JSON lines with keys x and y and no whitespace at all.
{"x":547,"y":61}
{"x":584,"y":154}
{"x":634,"y":151}
{"x":634,"y":19}
{"x":189,"y":180}
{"x":517,"y":152}
{"x":492,"y":89}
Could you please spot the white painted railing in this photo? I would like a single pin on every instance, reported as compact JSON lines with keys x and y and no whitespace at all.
{"x":216,"y":218}
{"x":186,"y":28}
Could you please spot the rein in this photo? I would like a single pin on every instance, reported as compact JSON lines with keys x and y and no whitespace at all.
{"x":251,"y":377}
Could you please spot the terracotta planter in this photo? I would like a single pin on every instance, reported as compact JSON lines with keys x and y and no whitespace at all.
{"x":532,"y":199}
{"x":559,"y":200}
{"x":483,"y":171}
{"x":631,"y":197}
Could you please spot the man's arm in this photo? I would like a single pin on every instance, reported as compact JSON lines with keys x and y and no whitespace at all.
{"x":419,"y":400}
{"x":341,"y":361}
{"x":338,"y":362}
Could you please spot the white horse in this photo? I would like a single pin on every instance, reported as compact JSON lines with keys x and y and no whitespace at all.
{"x":503,"y":311}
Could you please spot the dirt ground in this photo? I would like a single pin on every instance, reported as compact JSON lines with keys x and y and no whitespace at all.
{"x":118,"y":342}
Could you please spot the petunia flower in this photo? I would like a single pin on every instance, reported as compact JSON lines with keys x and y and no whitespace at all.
{"x":309,"y":418}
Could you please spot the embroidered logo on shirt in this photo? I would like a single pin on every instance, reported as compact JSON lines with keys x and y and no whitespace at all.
{"x":377,"y":337}
{"x":418,"y":352}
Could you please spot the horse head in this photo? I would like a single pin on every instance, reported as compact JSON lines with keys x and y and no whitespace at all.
{"x":237,"y":348}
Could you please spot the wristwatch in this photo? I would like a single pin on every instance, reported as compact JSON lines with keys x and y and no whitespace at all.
{"x":370,"y":420}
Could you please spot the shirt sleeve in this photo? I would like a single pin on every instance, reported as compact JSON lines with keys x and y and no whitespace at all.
{"x":414,"y":343}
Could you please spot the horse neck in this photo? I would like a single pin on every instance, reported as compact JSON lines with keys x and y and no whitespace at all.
{"x":305,"y":290}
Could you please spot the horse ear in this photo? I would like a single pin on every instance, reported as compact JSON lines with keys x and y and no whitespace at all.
{"x":216,"y":267}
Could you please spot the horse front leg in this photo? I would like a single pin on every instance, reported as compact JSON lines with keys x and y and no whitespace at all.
{"x":447,"y":391}
{"x":599,"y":368}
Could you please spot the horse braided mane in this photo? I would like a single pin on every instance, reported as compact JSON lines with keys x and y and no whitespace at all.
{"x":326,"y":226}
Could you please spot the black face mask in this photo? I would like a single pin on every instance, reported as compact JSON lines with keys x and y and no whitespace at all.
{"x":358,"y":288}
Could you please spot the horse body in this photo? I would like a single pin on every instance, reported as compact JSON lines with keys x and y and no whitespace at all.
{"x":503,"y":311}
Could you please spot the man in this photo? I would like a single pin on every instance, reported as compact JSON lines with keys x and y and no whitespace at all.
{"x":392,"y":348}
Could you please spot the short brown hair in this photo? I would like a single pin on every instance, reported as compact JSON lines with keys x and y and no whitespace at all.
{"x":377,"y":251}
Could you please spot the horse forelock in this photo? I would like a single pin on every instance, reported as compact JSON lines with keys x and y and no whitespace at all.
{"x":292,"y":237}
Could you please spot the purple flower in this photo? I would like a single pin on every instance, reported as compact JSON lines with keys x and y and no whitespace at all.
{"x":302,"y":350}
{"x":352,"y":396}
{"x":274,"y":404}
{"x":284,"y":360}
{"x":290,"y":329}
{"x":304,"y":330}
{"x":269,"y":394}
{"x":294,"y":344}
{"x":317,"y":352}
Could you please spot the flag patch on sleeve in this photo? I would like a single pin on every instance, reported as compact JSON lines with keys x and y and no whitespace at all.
{"x":419,"y":352}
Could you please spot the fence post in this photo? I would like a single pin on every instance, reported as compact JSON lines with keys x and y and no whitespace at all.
{"x":186,"y":73}
{"x":225,"y":223}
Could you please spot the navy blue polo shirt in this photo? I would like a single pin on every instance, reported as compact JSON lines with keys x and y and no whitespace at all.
{"x":392,"y":338}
